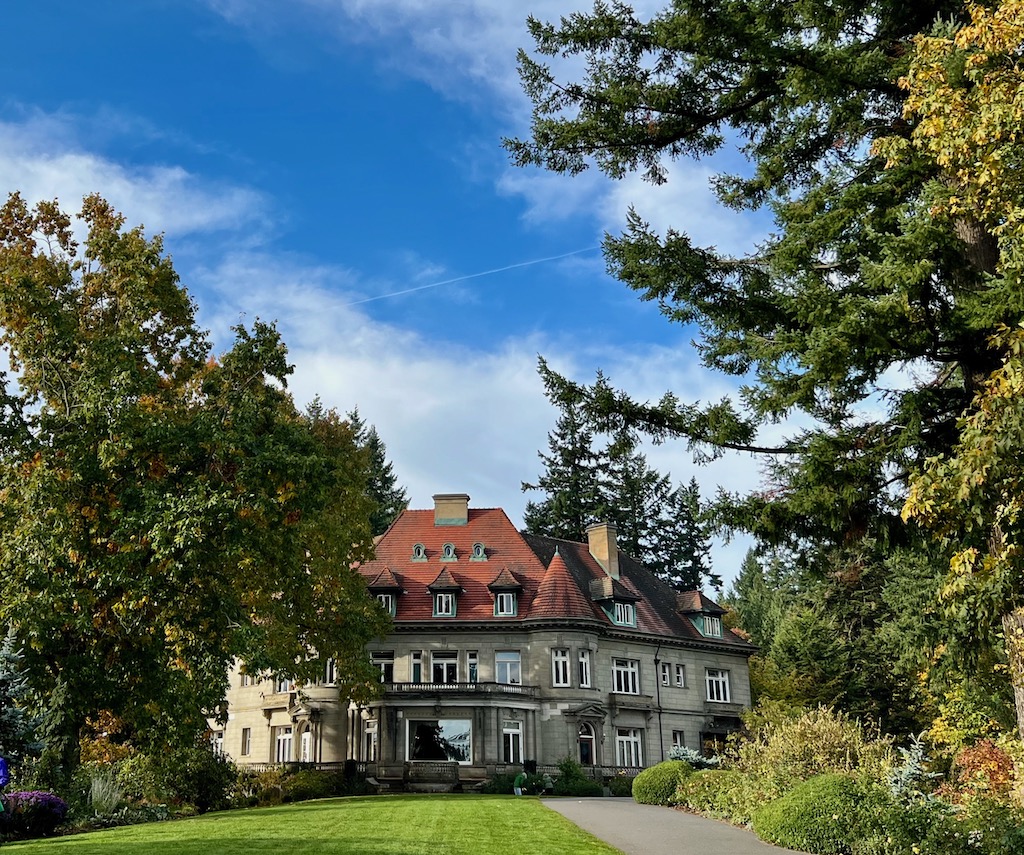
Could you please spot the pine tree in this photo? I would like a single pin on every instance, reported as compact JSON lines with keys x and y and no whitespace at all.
{"x":389,"y":498}
{"x":17,"y":728}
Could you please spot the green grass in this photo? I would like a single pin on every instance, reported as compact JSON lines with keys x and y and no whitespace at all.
{"x":375,"y":825}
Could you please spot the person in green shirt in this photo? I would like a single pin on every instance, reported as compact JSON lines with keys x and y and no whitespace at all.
{"x":519,"y":782}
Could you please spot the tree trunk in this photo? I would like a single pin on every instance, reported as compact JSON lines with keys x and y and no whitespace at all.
{"x":1013,"y":631}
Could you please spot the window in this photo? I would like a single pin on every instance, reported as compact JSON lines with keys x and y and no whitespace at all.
{"x":626,"y":676}
{"x":370,"y":742}
{"x":560,"y":668}
{"x":713,"y":626}
{"x":627,"y":747}
{"x":678,"y":741}
{"x":505,"y":605}
{"x":283,"y":745}
{"x":244,"y":680}
{"x":246,"y":741}
{"x":507,"y":667}
{"x":444,"y":666}
{"x":387,"y":602}
{"x":681,"y":676}
{"x":586,"y":744}
{"x":385,"y":662}
{"x":584,"y":669}
{"x":472,"y":665}
{"x":282,"y":684}
{"x":448,"y":552}
{"x":666,"y":674}
{"x":417,"y":666}
{"x":479,"y":553}
{"x":441,"y":739}
{"x":718,"y":685}
{"x":444,"y":605}
{"x":330,"y":672}
{"x":217,"y":741}
{"x":419,"y":553}
{"x":625,"y":614}
{"x":512,"y":741}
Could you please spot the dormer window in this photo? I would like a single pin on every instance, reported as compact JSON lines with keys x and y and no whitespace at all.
{"x":444,"y":605}
{"x":448,"y":552}
{"x":712,"y":626}
{"x":624,"y":614}
{"x":419,"y":552}
{"x":479,"y":553}
{"x":387,"y":602}
{"x":505,"y":604}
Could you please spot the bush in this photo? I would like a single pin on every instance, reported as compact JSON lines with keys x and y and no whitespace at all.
{"x":621,"y":785}
{"x":573,"y":782}
{"x":31,"y":814}
{"x":694,"y":758}
{"x":724,"y":794}
{"x":657,"y":785}
{"x":196,"y":775}
{"x":105,"y":794}
{"x":786,"y":751}
{"x":308,"y":784}
{"x":137,"y":778}
{"x":826,"y":814}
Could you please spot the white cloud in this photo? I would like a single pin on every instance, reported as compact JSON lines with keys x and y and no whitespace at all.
{"x":42,"y":158}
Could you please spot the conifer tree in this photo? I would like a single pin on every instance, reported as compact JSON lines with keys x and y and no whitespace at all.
{"x":389,"y":498}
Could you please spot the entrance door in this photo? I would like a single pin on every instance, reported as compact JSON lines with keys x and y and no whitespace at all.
{"x":306,"y":747}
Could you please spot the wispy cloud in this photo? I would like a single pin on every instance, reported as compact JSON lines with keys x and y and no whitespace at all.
{"x":42,"y":157}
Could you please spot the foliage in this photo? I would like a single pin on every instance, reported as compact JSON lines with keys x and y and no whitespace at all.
{"x":137,"y":776}
{"x":724,"y":794}
{"x":308,"y":784}
{"x":195,"y":774}
{"x":382,"y":484}
{"x":164,"y":512}
{"x":968,"y":712}
{"x":693,"y":758}
{"x":824,"y":814}
{"x":786,"y":751}
{"x":982,"y":770}
{"x":31,"y":814}
{"x":17,"y":727}
{"x":621,"y":785}
{"x":586,"y":482}
{"x":656,"y":785}
{"x":105,"y":793}
{"x":572,"y":781}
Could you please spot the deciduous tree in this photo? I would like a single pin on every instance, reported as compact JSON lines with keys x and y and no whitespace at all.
{"x":163,"y":512}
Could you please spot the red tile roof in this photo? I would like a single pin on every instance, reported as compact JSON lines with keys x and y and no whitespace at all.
{"x":555,"y":577}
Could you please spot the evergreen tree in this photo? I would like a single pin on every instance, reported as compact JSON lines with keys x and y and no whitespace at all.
{"x":17,"y":728}
{"x":573,"y":479}
{"x":389,"y":498}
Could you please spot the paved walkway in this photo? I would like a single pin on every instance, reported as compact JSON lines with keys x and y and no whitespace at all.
{"x":651,"y":830}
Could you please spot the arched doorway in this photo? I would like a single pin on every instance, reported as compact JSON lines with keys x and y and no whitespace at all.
{"x":586,"y":743}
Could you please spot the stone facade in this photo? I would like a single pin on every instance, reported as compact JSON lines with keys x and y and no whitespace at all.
{"x":508,"y":648}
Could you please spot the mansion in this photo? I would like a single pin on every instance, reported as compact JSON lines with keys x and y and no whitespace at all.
{"x":508,"y":649}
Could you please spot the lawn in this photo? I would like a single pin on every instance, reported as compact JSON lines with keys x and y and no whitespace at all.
{"x":375,"y":825}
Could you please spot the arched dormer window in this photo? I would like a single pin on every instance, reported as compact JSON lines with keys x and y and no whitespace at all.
{"x":448,"y":552}
{"x":419,"y":552}
{"x":479,"y":553}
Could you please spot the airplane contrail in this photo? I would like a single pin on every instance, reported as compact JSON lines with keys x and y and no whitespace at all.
{"x":473,"y":276}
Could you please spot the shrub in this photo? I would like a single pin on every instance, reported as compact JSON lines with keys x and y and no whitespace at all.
{"x":137,"y":778}
{"x":787,"y":751}
{"x":31,"y":814}
{"x":724,"y":794}
{"x":694,"y":758}
{"x":499,"y":784}
{"x":308,"y":784}
{"x":826,"y":814}
{"x":982,"y":770}
{"x":573,"y":782}
{"x":105,"y":794}
{"x":196,"y":775}
{"x":621,"y":785}
{"x":657,"y":785}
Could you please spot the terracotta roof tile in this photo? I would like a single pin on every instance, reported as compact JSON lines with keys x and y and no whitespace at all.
{"x":559,"y":595}
{"x":385,"y":581}
{"x":505,"y":581}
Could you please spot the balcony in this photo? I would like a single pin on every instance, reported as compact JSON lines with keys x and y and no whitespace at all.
{"x":474,"y":689}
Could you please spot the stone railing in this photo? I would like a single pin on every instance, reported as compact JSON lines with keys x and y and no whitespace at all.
{"x":463,"y":688}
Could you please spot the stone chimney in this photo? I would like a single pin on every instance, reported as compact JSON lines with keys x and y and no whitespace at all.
{"x":451,"y":509}
{"x":601,"y":540}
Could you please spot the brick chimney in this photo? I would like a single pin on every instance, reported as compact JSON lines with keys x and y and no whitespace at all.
{"x":601,"y":540}
{"x":451,"y":509}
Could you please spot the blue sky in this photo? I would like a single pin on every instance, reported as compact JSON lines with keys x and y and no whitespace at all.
{"x":335,"y":166}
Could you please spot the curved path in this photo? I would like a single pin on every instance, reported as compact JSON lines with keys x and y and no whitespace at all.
{"x":651,"y":830}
